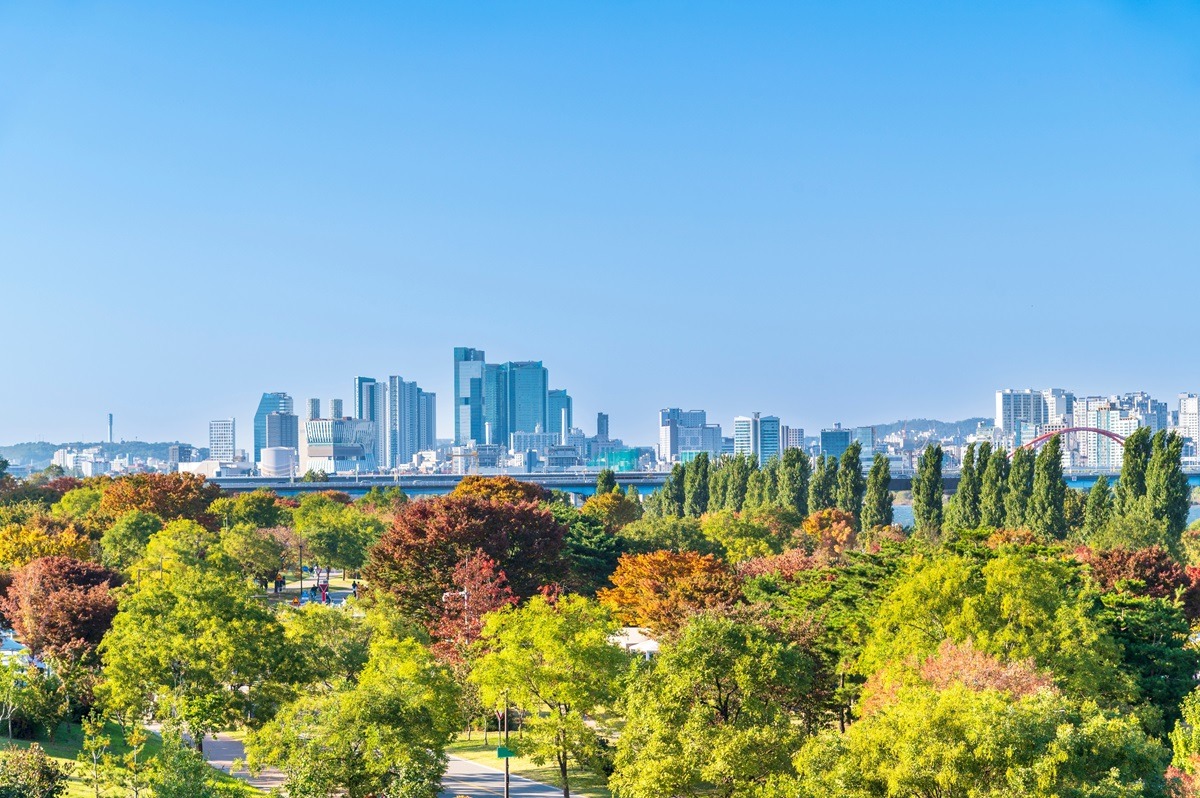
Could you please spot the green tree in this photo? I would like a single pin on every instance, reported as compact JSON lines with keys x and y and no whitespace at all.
{"x":130,"y":771}
{"x":1045,"y":515}
{"x":695,"y":487}
{"x":738,"y":536}
{"x":927,"y":491}
{"x":794,"y":472}
{"x":993,"y":489}
{"x":850,"y":483}
{"x":740,"y":467}
{"x":1167,"y":491}
{"x":877,"y":506}
{"x":822,"y":488}
{"x":335,"y":534}
{"x":179,"y":771}
{"x":259,"y":508}
{"x":1131,"y":487}
{"x":1020,"y":489}
{"x":31,"y":773}
{"x":94,"y":752}
{"x":718,"y":712}
{"x":965,"y":502}
{"x":1099,"y":508}
{"x":554,"y":662}
{"x":125,"y":542}
{"x":1074,"y":512}
{"x":606,"y":481}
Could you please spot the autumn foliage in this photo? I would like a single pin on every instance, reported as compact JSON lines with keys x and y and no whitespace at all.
{"x":169,"y":496}
{"x":477,"y":588}
{"x":662,"y":589}
{"x":1149,"y":572}
{"x":416,"y":558}
{"x":502,"y":489}
{"x":58,"y":603}
{"x":829,"y":533}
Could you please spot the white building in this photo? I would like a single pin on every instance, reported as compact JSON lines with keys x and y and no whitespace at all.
{"x":756,"y":436}
{"x":222,"y":440}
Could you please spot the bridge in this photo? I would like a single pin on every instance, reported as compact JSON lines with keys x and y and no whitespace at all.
{"x":1037,"y":442}
{"x":582,"y":483}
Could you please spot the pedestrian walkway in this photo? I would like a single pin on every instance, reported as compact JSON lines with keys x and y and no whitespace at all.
{"x":474,"y":780}
{"x":223,"y":750}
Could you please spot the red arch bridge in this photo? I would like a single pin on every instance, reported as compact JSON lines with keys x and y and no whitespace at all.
{"x":1039,"y":440}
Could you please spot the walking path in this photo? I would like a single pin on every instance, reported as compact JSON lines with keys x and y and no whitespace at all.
{"x":223,"y":750}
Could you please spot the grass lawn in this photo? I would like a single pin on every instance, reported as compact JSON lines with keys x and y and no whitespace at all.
{"x":586,"y":785}
{"x":69,"y":741}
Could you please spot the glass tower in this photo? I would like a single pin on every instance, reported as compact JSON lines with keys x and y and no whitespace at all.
{"x":278,"y":402}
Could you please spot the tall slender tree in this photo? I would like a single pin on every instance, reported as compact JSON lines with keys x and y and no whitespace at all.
{"x":992,"y":490}
{"x":1045,"y":515}
{"x":966,"y":499}
{"x":718,"y":484}
{"x":1134,"y":462}
{"x":822,"y":491}
{"x":673,"y":490}
{"x":606,"y":481}
{"x":794,"y":473}
{"x":695,"y":487}
{"x":927,"y":491}
{"x":877,"y":506}
{"x":850,"y":484}
{"x":739,"y":480}
{"x":1167,"y":492}
{"x":1020,"y":489}
{"x":1099,"y":507}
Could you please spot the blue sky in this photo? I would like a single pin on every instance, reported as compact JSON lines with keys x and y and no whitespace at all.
{"x":827,"y":211}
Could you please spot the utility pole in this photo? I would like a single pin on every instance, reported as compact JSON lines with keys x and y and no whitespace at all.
{"x":506,"y":743}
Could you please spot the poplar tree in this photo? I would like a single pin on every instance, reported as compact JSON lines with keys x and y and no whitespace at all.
{"x":822,"y":492}
{"x":966,"y":499}
{"x":739,"y":477}
{"x":695,"y":487}
{"x":850,"y":482}
{"x":794,"y":473}
{"x":1099,"y":507}
{"x":927,"y":490}
{"x":1135,"y":460}
{"x":718,"y":484}
{"x":1020,"y":489}
{"x":1045,"y":514}
{"x":606,"y":481}
{"x":1167,"y":494}
{"x":992,"y":490}
{"x":877,"y":506}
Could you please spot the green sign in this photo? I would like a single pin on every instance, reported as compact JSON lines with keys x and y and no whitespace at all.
{"x":504,"y":753}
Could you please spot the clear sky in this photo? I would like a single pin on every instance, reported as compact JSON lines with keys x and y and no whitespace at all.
{"x":830,"y":212}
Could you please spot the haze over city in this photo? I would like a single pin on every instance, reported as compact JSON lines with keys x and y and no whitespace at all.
{"x":854,"y":213}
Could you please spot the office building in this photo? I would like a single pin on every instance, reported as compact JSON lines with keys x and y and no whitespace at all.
{"x":791,"y":438}
{"x":371,"y":404}
{"x":222,"y":440}
{"x":602,"y":426}
{"x":335,"y":409}
{"x":468,"y":395}
{"x":756,"y":436}
{"x":314,"y":410}
{"x":281,"y":430}
{"x":866,"y":439}
{"x":836,"y":441}
{"x":277,"y":402}
{"x":412,"y":421}
{"x":338,"y":446}
{"x":528,"y":385}
{"x":181,"y":453}
{"x":558,"y":411}
{"x":682,"y":431}
{"x":538,"y":441}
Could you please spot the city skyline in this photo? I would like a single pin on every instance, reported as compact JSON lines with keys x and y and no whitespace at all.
{"x":593,"y":187}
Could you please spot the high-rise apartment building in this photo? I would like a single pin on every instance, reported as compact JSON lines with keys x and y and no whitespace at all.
{"x":756,"y":436}
{"x":335,"y":409}
{"x":468,"y":395}
{"x":1018,"y":407}
{"x":412,"y":421}
{"x":371,"y":404}
{"x":558,"y":403}
{"x":277,"y":402}
{"x":1189,"y":416}
{"x":683,"y":431}
{"x":314,"y":410}
{"x":222,"y":440}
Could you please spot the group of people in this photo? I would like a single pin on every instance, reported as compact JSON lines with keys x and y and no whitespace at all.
{"x":319,"y":591}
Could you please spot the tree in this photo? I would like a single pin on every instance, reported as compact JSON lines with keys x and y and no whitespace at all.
{"x":169,"y":496}
{"x":125,"y":541}
{"x":877,"y":506}
{"x":717,"y":712}
{"x":613,"y":510}
{"x":94,"y":753}
{"x":1020,"y":489}
{"x":384,"y":735}
{"x":1074,"y":512}
{"x":695,"y":487}
{"x":259,"y":553}
{"x":199,"y":649}
{"x":673,"y":534}
{"x":606,"y":481}
{"x":130,"y":771}
{"x":259,"y":508}
{"x":965,"y":501}
{"x":1136,"y":528}
{"x":31,"y":773}
{"x":22,"y":544}
{"x":992,"y":489}
{"x":794,"y":473}
{"x":739,"y":537}
{"x":927,"y":491}
{"x":850,"y":483}
{"x":829,"y":533}
{"x":336,"y":534}
{"x":1167,"y":492}
{"x":739,"y":469}
{"x":554,"y":662}
{"x":673,"y":495}
{"x":56,"y":602}
{"x":415,"y":559}
{"x":479,"y":587}
{"x":1099,"y":508}
{"x":661,"y":590}
{"x":1045,"y":515}
{"x":822,"y":488}
{"x":1135,"y":460}
{"x":330,"y":644}
{"x":179,"y":771}
{"x":383,"y":501}
{"x":314,"y":476}
{"x":503,"y":489}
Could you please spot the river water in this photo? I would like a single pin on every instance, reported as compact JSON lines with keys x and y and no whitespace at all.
{"x":902,"y":514}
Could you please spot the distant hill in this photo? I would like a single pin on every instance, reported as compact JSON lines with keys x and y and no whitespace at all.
{"x":940,"y":429}
{"x":39,"y":453}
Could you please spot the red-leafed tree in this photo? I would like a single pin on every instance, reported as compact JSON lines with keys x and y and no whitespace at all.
{"x":416,"y":558}
{"x":59,"y":604}
{"x":478,"y":587}
{"x":785,"y":566}
{"x":169,"y":496}
{"x":1149,"y":572}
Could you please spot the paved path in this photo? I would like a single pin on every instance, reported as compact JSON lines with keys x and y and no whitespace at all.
{"x":223,"y":751}
{"x":474,"y":780}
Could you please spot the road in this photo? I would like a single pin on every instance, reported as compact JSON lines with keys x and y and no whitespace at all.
{"x":480,"y":781}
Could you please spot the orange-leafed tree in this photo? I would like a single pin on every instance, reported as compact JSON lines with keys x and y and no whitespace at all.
{"x":662,"y":589}
{"x":169,"y":496}
{"x":503,"y":489}
{"x":829,"y":533}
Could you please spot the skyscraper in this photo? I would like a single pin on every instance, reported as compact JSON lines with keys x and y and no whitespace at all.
{"x":335,"y":409}
{"x":277,"y":402}
{"x":602,"y":426}
{"x":370,"y":404}
{"x":280,"y":429}
{"x":528,"y":392}
{"x":314,"y":410}
{"x":222,"y":440}
{"x":426,"y":421}
{"x":685,"y":431}
{"x":495,"y":404}
{"x":836,"y":441}
{"x":558,"y":401}
{"x":468,"y":395}
{"x":756,"y":436}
